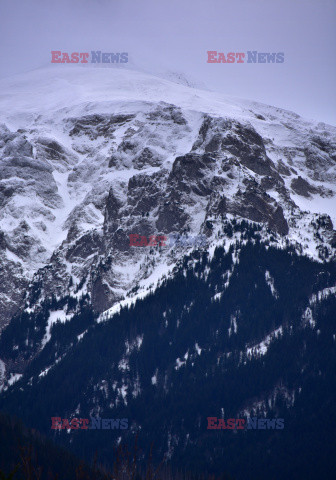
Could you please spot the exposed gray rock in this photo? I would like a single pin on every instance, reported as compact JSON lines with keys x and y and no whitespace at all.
{"x":302,"y":187}
{"x":70,"y":198}
{"x":96,"y":125}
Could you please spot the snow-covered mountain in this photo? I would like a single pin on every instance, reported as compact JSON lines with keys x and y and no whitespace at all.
{"x":89,"y":156}
{"x":93,"y":325}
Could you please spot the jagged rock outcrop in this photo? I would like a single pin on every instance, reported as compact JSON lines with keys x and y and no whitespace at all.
{"x":75,"y":182}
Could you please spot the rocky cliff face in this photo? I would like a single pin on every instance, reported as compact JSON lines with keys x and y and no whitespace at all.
{"x":76,"y":181}
{"x":111,"y":153}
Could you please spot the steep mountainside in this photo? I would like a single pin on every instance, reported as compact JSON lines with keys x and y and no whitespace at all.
{"x":91,"y":325}
{"x":91,"y":156}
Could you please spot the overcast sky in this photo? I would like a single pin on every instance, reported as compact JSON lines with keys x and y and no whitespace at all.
{"x":176,"y":34}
